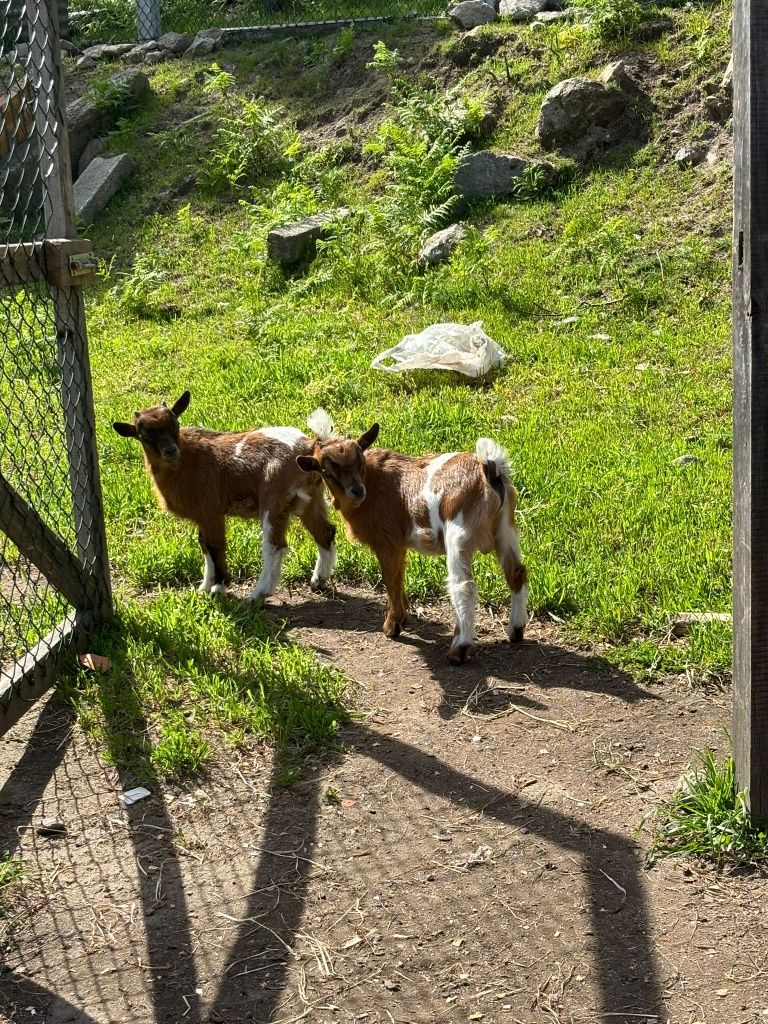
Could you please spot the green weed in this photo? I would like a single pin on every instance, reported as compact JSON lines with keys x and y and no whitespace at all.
{"x":707,"y":818}
{"x":252,"y":143}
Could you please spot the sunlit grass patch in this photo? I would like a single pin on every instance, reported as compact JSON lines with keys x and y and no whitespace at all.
{"x":186,"y":667}
{"x":708,"y":819}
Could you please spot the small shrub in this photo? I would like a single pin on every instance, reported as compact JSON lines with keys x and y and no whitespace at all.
{"x":613,"y":20}
{"x":707,"y":818}
{"x":252,"y":143}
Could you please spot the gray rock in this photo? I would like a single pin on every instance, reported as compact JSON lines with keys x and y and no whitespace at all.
{"x":683,"y":623}
{"x":201,"y":46}
{"x":51,"y":827}
{"x":85,"y":63}
{"x":138,"y":53}
{"x":157,"y":56}
{"x":101,"y":180}
{"x":719,"y":107}
{"x":472,"y":13}
{"x":726,"y":86}
{"x":94,"y":148}
{"x":107,"y":51}
{"x":521,"y":10}
{"x":176,"y":42}
{"x":67,"y":47}
{"x":485,"y":175}
{"x":293,"y":242}
{"x":441,"y":246}
{"x":688,"y":156}
{"x":574,"y":107}
{"x":685,"y":460}
{"x":617,"y":74}
{"x":545,"y":17}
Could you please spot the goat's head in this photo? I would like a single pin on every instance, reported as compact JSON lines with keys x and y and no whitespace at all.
{"x":339,"y":460}
{"x":157,"y":429}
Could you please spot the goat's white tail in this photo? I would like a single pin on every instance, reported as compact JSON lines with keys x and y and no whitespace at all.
{"x":321,"y":425}
{"x":491,"y":451}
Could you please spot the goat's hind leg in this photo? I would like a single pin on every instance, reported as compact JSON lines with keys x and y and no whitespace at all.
{"x":273,"y":551}
{"x":314,"y":515}
{"x":516,"y":574}
{"x":462,"y":591}
{"x":213,"y":540}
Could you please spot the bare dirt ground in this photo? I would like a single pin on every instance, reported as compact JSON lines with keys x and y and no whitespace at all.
{"x":352,"y":895}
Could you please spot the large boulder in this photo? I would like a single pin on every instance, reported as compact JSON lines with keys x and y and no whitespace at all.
{"x":574,"y":108}
{"x":471,"y":13}
{"x":486,"y":175}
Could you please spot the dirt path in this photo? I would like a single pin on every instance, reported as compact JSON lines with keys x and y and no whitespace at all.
{"x":351,"y":895}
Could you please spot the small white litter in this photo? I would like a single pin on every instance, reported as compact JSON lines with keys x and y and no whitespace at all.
{"x":131,"y":796}
{"x":464,"y":349}
{"x":482,"y":855}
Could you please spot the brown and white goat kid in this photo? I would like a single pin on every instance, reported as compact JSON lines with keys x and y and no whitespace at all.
{"x":453,"y":505}
{"x":205,"y":476}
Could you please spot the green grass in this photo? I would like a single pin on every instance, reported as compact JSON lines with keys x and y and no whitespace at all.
{"x":595,"y":411}
{"x":708,"y":819}
{"x":186,"y":668}
{"x":11,"y":875}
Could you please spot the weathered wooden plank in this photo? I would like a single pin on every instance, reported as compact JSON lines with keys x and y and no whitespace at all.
{"x":51,"y":261}
{"x":27,"y":679}
{"x":37,"y":542}
{"x":750,"y":442}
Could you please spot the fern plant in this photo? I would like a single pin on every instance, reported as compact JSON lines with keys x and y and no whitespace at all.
{"x":252,"y":142}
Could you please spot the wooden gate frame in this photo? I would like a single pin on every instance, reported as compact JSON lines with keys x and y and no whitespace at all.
{"x":64,"y":263}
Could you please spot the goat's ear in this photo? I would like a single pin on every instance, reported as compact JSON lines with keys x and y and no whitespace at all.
{"x":367,"y":439}
{"x":308,"y":463}
{"x":125,"y":429}
{"x":180,"y":405}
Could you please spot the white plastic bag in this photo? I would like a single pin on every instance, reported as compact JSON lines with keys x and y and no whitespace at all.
{"x":457,"y":347}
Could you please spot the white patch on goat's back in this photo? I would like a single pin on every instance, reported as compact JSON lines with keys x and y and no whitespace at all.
{"x":239,"y":449}
{"x":289,"y":436}
{"x":430,"y":495}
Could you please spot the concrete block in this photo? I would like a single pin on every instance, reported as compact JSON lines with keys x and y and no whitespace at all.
{"x":99,"y":182}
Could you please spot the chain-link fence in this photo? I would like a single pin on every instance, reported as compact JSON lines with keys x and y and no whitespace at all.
{"x":54,"y":579}
{"x":127,"y":20}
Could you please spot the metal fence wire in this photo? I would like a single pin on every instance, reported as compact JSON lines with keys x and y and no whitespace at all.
{"x":54,"y":580}
{"x":127,"y":20}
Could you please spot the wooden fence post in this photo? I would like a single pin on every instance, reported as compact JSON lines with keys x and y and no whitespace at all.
{"x":750,"y":414}
{"x":71,"y":337}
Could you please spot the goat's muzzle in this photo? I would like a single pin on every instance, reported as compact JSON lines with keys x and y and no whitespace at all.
{"x":356,"y":493}
{"x":171,"y":453}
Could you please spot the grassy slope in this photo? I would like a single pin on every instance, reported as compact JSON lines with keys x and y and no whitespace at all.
{"x":616,"y":534}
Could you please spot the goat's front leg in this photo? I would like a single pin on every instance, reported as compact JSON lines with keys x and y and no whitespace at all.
{"x":213,"y":540}
{"x":392,"y":564}
{"x":462,"y":591}
{"x":273,"y":550}
{"x":314,"y":515}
